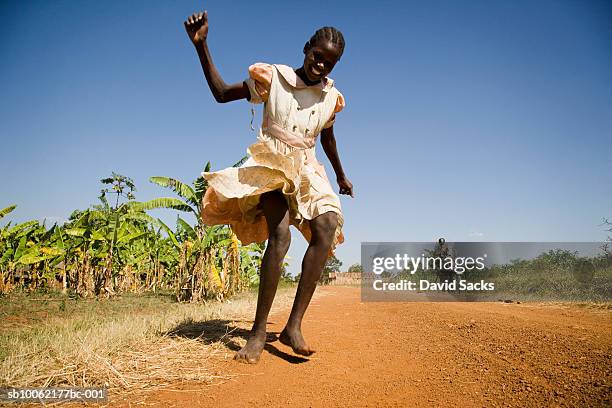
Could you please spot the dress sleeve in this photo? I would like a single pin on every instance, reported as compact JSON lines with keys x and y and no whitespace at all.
{"x":340,"y":104}
{"x":259,"y":80}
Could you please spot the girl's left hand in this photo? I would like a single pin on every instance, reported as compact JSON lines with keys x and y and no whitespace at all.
{"x":346,"y":187}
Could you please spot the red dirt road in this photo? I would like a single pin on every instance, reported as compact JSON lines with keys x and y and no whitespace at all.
{"x":423,"y":355}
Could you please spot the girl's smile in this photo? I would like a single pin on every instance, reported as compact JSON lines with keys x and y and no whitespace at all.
{"x":319,"y":60}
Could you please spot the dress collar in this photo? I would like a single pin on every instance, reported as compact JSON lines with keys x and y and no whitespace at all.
{"x":295,"y":81}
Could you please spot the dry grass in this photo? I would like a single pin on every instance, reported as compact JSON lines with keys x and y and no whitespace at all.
{"x":129,"y":345}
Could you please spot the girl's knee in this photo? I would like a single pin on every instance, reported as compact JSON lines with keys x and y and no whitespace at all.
{"x":324,"y":227}
{"x":332,"y":220}
{"x":280,"y":238}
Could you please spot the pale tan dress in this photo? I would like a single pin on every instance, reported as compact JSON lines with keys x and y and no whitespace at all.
{"x":283,"y":158}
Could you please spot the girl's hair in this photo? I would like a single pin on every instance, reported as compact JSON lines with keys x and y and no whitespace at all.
{"x":330,"y":34}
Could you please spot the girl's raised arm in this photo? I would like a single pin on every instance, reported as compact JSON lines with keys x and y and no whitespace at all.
{"x":197,"y":29}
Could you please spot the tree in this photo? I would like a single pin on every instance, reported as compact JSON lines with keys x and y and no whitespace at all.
{"x":285,"y":274}
{"x":356,"y":268}
{"x":606,"y":245}
{"x":332,"y":264}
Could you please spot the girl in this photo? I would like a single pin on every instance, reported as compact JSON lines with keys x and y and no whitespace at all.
{"x":282,"y":183}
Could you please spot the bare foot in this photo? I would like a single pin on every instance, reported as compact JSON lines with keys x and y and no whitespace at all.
{"x":251,"y":352}
{"x":295,"y":340}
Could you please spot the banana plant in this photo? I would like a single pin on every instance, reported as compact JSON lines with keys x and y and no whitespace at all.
{"x":7,"y":210}
{"x":119,"y":246}
{"x":191,"y":195}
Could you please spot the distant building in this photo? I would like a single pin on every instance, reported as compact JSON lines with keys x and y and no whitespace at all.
{"x":349,"y":278}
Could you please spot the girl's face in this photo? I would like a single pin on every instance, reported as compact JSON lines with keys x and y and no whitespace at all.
{"x":319,"y":60}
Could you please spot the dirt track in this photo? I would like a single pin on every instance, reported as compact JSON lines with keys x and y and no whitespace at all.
{"x":423,"y":354}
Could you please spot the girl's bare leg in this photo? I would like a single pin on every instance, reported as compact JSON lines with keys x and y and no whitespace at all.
{"x":277,"y":217}
{"x":323,"y":228}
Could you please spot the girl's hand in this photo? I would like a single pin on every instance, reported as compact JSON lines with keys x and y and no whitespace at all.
{"x":197,"y":27}
{"x":346,"y":187}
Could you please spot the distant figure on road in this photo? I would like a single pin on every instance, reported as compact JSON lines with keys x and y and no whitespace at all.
{"x":442,"y":251}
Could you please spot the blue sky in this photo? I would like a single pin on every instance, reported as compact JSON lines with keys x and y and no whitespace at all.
{"x":472,"y":120}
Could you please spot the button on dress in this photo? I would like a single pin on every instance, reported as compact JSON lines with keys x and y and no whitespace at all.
{"x":283,"y":158}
